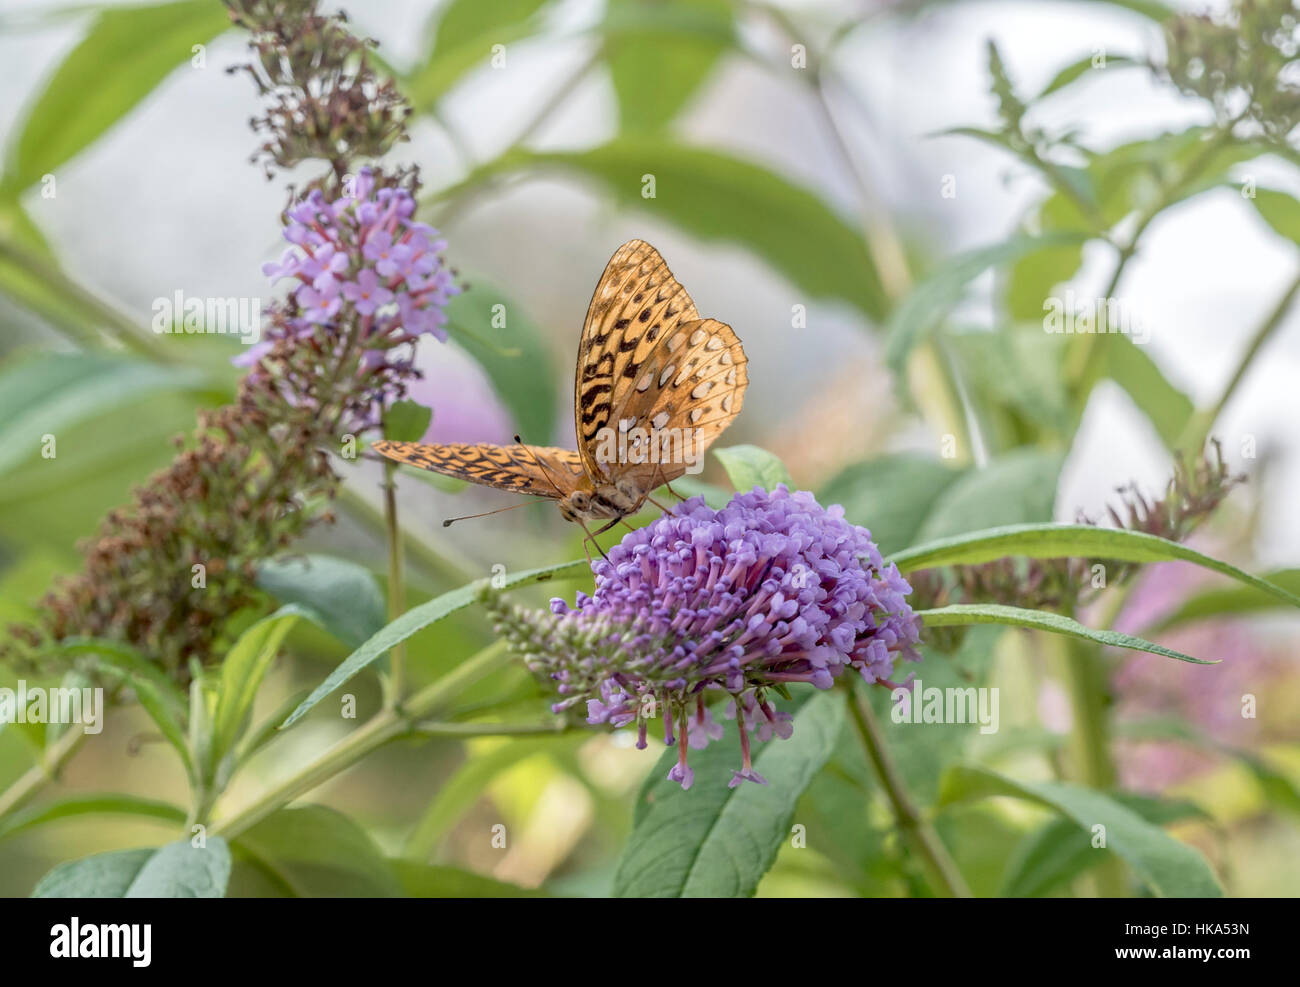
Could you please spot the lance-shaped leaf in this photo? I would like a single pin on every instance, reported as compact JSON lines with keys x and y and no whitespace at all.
{"x":416,"y":619}
{"x":962,"y":614}
{"x":1169,"y":868}
{"x":1084,"y":541}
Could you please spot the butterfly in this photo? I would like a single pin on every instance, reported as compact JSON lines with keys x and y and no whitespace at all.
{"x":654,"y":386}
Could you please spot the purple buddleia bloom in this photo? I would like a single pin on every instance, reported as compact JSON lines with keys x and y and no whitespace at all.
{"x":771,"y":590}
{"x":365,"y":274}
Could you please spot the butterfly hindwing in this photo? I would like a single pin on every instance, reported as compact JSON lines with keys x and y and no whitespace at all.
{"x":542,"y":471}
{"x":689,"y":388}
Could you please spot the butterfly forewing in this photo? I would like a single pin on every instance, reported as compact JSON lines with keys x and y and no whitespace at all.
{"x":637,"y":302}
{"x":543,"y":471}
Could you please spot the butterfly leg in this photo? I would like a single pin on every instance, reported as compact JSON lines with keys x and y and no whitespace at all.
{"x":673,"y":492}
{"x":592,"y":538}
{"x":616,"y":520}
{"x":661,"y":507}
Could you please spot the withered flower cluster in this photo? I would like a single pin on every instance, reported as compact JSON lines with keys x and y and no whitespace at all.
{"x":255,"y":474}
{"x":324,"y":99}
{"x":1194,"y":491}
{"x":1244,"y":63}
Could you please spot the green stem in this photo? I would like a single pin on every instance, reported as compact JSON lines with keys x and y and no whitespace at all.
{"x":493,"y":729}
{"x":1198,"y":429}
{"x":385,"y":726}
{"x":122,"y":328}
{"x":1081,"y":361}
{"x":455,"y":570}
{"x":36,"y":778}
{"x":396,"y":685}
{"x":944,"y":876}
{"x":1087,"y":683}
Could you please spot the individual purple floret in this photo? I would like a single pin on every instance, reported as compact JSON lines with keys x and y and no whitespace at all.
{"x":772,"y":589}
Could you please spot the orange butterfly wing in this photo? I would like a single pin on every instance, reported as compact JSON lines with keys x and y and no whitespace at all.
{"x":542,"y":471}
{"x":647,"y":360}
{"x":690,"y":388}
{"x":636,"y":304}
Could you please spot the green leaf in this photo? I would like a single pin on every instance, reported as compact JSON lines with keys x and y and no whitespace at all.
{"x":242,"y":671}
{"x":1034,"y":278}
{"x":1236,"y":601}
{"x":318,"y":852}
{"x":432,"y":881}
{"x":891,"y":496}
{"x":406,"y":421}
{"x":157,"y":694}
{"x":515,"y":357}
{"x":659,"y":64}
{"x":465,"y":787}
{"x":1084,"y":66}
{"x":342,"y":596}
{"x":1133,"y":369}
{"x":749,"y":467}
{"x":24,"y":282}
{"x":928,"y":302}
{"x":180,"y":870}
{"x":715,"y":841}
{"x":121,"y":657}
{"x":416,"y":619}
{"x":1059,"y":851}
{"x":963,"y":614}
{"x":1155,"y":10}
{"x":463,"y":22}
{"x":1280,"y":210}
{"x":1057,"y":541}
{"x":105,"y":875}
{"x":84,"y":805}
{"x":1018,"y":369}
{"x":126,"y":53}
{"x":47,"y":393}
{"x":1015,"y":488}
{"x":721,"y":198}
{"x":177,"y":870}
{"x":466,"y":33}
{"x":1169,"y":868}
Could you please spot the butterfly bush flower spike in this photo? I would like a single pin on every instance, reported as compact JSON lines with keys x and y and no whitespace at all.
{"x":771,"y":590}
{"x":366,"y":273}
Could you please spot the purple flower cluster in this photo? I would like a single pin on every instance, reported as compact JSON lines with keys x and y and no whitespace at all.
{"x":771,"y":590}
{"x":363,"y":267}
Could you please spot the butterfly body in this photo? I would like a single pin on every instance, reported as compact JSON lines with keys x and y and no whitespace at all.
{"x":655,"y":384}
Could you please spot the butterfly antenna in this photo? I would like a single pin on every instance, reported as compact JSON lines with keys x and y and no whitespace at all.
{"x":465,"y":517}
{"x":538,"y":461}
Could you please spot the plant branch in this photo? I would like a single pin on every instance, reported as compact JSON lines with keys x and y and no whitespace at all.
{"x":36,"y":778}
{"x":944,"y":876}
{"x":387,"y":725}
{"x":1087,"y":682}
{"x":436,"y":729}
{"x":396,"y":685}
{"x":1198,"y":429}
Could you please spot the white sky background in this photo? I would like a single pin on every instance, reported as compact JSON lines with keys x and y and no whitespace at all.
{"x":168,"y":201}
